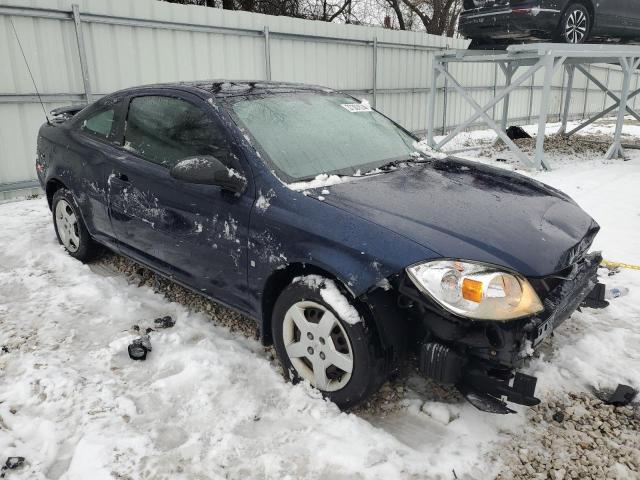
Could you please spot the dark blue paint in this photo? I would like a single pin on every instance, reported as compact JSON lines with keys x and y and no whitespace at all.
{"x":364,"y":231}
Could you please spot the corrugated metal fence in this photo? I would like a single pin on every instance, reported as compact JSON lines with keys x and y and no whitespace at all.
{"x":86,"y":51}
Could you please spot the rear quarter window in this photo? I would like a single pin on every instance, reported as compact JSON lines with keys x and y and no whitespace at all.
{"x":100,"y":124}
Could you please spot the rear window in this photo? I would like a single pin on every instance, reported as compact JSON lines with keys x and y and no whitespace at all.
{"x":99,"y":124}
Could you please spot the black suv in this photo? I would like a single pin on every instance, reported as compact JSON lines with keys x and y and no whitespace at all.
{"x":567,"y":21}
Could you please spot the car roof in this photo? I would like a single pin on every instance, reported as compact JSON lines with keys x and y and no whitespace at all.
{"x":232,"y":88}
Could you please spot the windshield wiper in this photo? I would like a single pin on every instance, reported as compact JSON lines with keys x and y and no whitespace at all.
{"x":399,"y":161}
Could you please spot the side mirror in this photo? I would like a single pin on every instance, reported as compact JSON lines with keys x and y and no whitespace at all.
{"x":208,"y":170}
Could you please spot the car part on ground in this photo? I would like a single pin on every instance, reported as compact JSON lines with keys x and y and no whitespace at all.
{"x":139,"y":348}
{"x":621,"y":396}
{"x":515,"y":133}
{"x":12,"y":463}
{"x":164,"y":322}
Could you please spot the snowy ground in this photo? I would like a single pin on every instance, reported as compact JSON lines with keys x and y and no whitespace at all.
{"x":211,"y":403}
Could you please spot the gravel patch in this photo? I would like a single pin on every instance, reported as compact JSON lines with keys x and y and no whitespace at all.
{"x":576,"y":436}
{"x":142,"y":276}
{"x":585,"y":146}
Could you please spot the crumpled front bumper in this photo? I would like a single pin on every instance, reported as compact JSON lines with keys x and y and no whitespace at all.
{"x":480,"y":357}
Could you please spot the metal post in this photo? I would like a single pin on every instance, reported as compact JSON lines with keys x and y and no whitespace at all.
{"x":531,"y":85}
{"x":433,"y":98}
{"x":586,"y":94}
{"x":84,"y":67}
{"x":544,"y":110}
{"x":375,"y":72}
{"x":635,"y":100}
{"x":628,"y":67}
{"x":570,"y":69}
{"x":444,"y":100}
{"x":507,"y":69}
{"x":606,"y":82}
{"x":267,"y":53}
{"x":495,"y":86}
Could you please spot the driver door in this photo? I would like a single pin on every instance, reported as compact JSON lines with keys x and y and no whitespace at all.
{"x":196,"y":234}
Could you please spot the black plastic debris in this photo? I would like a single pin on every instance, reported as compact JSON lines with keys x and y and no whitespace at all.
{"x":139,"y":348}
{"x":621,"y":396}
{"x":12,"y":463}
{"x":515,"y":133}
{"x":558,"y":416}
{"x":164,"y":322}
{"x":595,"y":299}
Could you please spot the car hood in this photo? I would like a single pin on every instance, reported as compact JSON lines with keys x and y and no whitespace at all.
{"x":470,"y":211}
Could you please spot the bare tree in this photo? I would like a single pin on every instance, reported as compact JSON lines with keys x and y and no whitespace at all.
{"x":396,"y":7}
{"x":439,"y":17}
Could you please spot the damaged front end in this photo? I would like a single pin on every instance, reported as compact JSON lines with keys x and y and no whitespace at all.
{"x":479,"y":356}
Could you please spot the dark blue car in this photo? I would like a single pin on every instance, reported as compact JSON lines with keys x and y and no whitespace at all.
{"x":310,"y":212}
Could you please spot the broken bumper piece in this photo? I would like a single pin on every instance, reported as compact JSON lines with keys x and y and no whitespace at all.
{"x":481,"y":358}
{"x":482,"y":384}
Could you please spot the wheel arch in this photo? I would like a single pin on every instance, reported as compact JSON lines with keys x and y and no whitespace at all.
{"x":52,"y":186}
{"x":276,"y":283}
{"x":588,"y":4}
{"x":379,"y":306}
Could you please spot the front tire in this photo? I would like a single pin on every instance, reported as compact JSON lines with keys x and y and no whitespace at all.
{"x":575,"y":25}
{"x":69,"y":226}
{"x":315,"y":344}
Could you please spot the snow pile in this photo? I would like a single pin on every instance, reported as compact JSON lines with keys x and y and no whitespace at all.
{"x":205,"y":404}
{"x":264,"y":200}
{"x":332,"y":295}
{"x":423,"y":146}
{"x":322,"y":180}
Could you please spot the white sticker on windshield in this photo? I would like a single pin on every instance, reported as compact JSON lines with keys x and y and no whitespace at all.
{"x":356,"y":107}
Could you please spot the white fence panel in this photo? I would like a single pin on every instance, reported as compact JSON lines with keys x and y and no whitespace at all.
{"x":131,"y":43}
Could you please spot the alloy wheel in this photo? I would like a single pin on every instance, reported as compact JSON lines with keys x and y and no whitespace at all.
{"x":576,"y":26}
{"x":317,"y":345}
{"x":67,"y":226}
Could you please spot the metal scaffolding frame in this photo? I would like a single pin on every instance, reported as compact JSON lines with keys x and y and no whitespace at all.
{"x":549,"y":57}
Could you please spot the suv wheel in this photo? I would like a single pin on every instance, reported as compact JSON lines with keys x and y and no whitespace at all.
{"x":70,"y":229}
{"x":575,"y":25}
{"x":315,"y":344}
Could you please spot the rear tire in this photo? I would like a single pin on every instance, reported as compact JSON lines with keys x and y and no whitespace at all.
{"x":575,"y":25}
{"x":70,"y":228}
{"x":315,"y":344}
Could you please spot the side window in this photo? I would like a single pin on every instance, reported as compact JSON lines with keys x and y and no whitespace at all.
{"x":164,"y":130}
{"x":100,"y":124}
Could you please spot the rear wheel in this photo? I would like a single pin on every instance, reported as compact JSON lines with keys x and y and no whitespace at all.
{"x":575,"y":25}
{"x":315,"y":344}
{"x":70,"y":229}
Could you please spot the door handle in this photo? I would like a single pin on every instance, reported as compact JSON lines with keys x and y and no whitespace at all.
{"x":121,"y":176}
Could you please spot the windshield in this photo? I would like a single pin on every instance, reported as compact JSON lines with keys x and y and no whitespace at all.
{"x":307,"y":134}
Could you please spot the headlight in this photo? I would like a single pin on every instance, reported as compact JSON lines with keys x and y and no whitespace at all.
{"x":476,"y":290}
